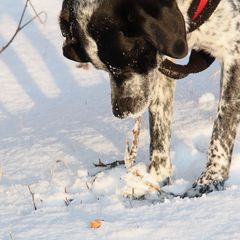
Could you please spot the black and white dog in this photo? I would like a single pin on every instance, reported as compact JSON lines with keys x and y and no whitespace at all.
{"x":131,"y":38}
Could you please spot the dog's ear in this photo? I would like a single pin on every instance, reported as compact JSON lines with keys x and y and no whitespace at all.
{"x":73,"y":47}
{"x":162,"y":24}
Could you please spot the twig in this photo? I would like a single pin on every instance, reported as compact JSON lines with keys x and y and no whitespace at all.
{"x":152,"y":186}
{"x":11,"y":236}
{"x":87,"y":186}
{"x":21,"y":26}
{"x":109,"y":165}
{"x":33,"y":198}
{"x":32,"y":19}
{"x":131,"y":153}
{"x":37,"y":14}
{"x":66,"y":200}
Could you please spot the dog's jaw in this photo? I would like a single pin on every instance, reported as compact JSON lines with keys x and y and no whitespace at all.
{"x":132,"y":99}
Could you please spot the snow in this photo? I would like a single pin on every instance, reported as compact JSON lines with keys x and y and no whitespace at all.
{"x":56,"y":121}
{"x":207,"y":102}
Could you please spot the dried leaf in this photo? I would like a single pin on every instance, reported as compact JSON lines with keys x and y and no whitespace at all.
{"x":97,"y":223}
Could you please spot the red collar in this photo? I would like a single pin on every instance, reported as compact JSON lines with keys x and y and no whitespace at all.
{"x":200,"y":11}
{"x":201,"y":6}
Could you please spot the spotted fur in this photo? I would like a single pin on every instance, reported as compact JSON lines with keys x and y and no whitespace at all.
{"x":220,"y":36}
{"x":129,"y":39}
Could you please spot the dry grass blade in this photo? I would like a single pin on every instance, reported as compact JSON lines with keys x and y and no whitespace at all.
{"x":33,"y":198}
{"x":11,"y":236}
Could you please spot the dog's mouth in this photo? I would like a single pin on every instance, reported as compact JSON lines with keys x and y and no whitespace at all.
{"x":129,"y":107}
{"x":131,"y":96}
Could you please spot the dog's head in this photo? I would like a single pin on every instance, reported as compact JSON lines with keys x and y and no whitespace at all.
{"x":125,"y":38}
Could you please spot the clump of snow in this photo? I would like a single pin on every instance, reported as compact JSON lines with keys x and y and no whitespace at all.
{"x":207,"y":102}
{"x":138,"y":182}
{"x":108,"y":183}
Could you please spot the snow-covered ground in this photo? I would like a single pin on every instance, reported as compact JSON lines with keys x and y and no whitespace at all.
{"x":56,"y":121}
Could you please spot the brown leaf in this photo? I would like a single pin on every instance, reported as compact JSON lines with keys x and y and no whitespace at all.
{"x":97,"y":223}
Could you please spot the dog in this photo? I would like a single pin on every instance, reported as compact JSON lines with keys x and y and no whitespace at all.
{"x":130,"y":39}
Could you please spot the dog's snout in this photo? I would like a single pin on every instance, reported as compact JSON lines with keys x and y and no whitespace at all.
{"x":123,"y":107}
{"x":120,"y":107}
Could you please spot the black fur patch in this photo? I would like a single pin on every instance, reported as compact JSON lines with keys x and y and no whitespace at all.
{"x":74,"y":47}
{"x":130,"y":33}
{"x":118,"y":33}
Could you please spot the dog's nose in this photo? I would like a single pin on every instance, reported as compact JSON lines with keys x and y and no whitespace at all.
{"x":123,"y":107}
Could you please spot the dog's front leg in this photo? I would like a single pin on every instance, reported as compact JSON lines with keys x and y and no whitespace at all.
{"x":160,"y":118}
{"x":223,"y":137}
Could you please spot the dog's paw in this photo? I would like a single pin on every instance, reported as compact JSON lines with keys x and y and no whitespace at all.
{"x":141,"y":185}
{"x":161,"y":174}
{"x":139,"y":182}
{"x":166,"y":182}
{"x":157,"y":196}
{"x":198,"y":190}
